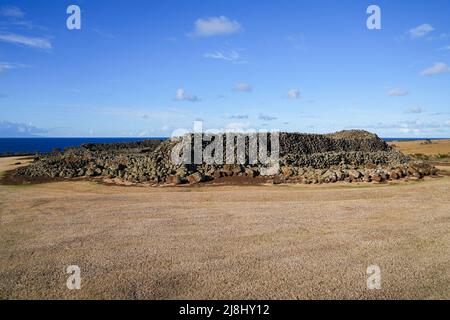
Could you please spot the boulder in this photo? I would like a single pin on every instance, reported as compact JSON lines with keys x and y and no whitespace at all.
{"x":277,"y":180}
{"x":394,"y":175}
{"x":354,"y":174}
{"x":182,"y":172}
{"x":250,"y":172}
{"x":377,"y":177}
{"x":176,"y":179}
{"x":400,"y":172}
{"x":228,"y":170}
{"x":411,"y":171}
{"x":339,"y":175}
{"x":287,"y":172}
{"x":329,"y":176}
{"x":237,"y":170}
{"x":196,"y":178}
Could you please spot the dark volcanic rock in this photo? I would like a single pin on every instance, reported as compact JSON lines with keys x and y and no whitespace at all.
{"x":353,"y":156}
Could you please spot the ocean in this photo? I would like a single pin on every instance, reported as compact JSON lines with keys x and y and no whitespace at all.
{"x":43,"y":145}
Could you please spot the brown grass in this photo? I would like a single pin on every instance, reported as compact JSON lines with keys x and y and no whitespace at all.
{"x":10,"y":163}
{"x":230,"y":242}
{"x":418,"y":147}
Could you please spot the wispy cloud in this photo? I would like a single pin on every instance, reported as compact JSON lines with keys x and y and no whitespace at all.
{"x":238,"y":125}
{"x":171,"y":39}
{"x":297,"y":41}
{"x":11,"y":12}
{"x":409,"y":127}
{"x":4,"y":66}
{"x":266,"y":117}
{"x":239,"y":116}
{"x":437,"y":68}
{"x":215,"y":26}
{"x":13,"y":129}
{"x":14,"y":17}
{"x":142,"y":113}
{"x":414,"y":110}
{"x":103,"y":33}
{"x":33,"y":42}
{"x":440,"y":114}
{"x":420,"y":31}
{"x":293,"y":94}
{"x":398,"y":92}
{"x":242,"y":87}
{"x":182,"y":95}
{"x":231,"y":56}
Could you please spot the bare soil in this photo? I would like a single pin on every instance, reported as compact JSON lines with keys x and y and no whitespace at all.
{"x":225,"y":242}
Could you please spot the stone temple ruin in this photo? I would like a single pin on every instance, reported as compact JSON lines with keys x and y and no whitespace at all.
{"x":351,"y":156}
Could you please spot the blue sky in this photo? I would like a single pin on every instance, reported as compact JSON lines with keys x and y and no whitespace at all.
{"x":146,"y":68}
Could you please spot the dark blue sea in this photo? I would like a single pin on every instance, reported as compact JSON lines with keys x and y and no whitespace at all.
{"x":43,"y":145}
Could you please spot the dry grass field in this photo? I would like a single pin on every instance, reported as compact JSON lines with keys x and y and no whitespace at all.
{"x":420,"y":147}
{"x":10,"y":163}
{"x":235,"y":242}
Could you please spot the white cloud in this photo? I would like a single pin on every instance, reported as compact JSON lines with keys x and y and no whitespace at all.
{"x":157,"y":113}
{"x":181,"y":95}
{"x":297,"y":41}
{"x":266,"y":117}
{"x":11,"y":11}
{"x":414,"y":110}
{"x":215,"y":26}
{"x":103,"y":33}
{"x":444,"y":48}
{"x":231,"y":56}
{"x":411,"y":131}
{"x":293,"y":94}
{"x":145,"y":133}
{"x":438,"y":67}
{"x":238,"y":125}
{"x":420,"y":31}
{"x":413,"y":126}
{"x":4,"y":66}
{"x":13,"y":129}
{"x":243,"y":87}
{"x":239,"y":116}
{"x":397,"y":92}
{"x":39,"y":43}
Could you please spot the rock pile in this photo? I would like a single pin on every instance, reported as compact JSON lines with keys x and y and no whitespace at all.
{"x":352,"y":156}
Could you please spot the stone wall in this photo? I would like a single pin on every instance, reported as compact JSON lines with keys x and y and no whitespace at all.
{"x":303,"y":157}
